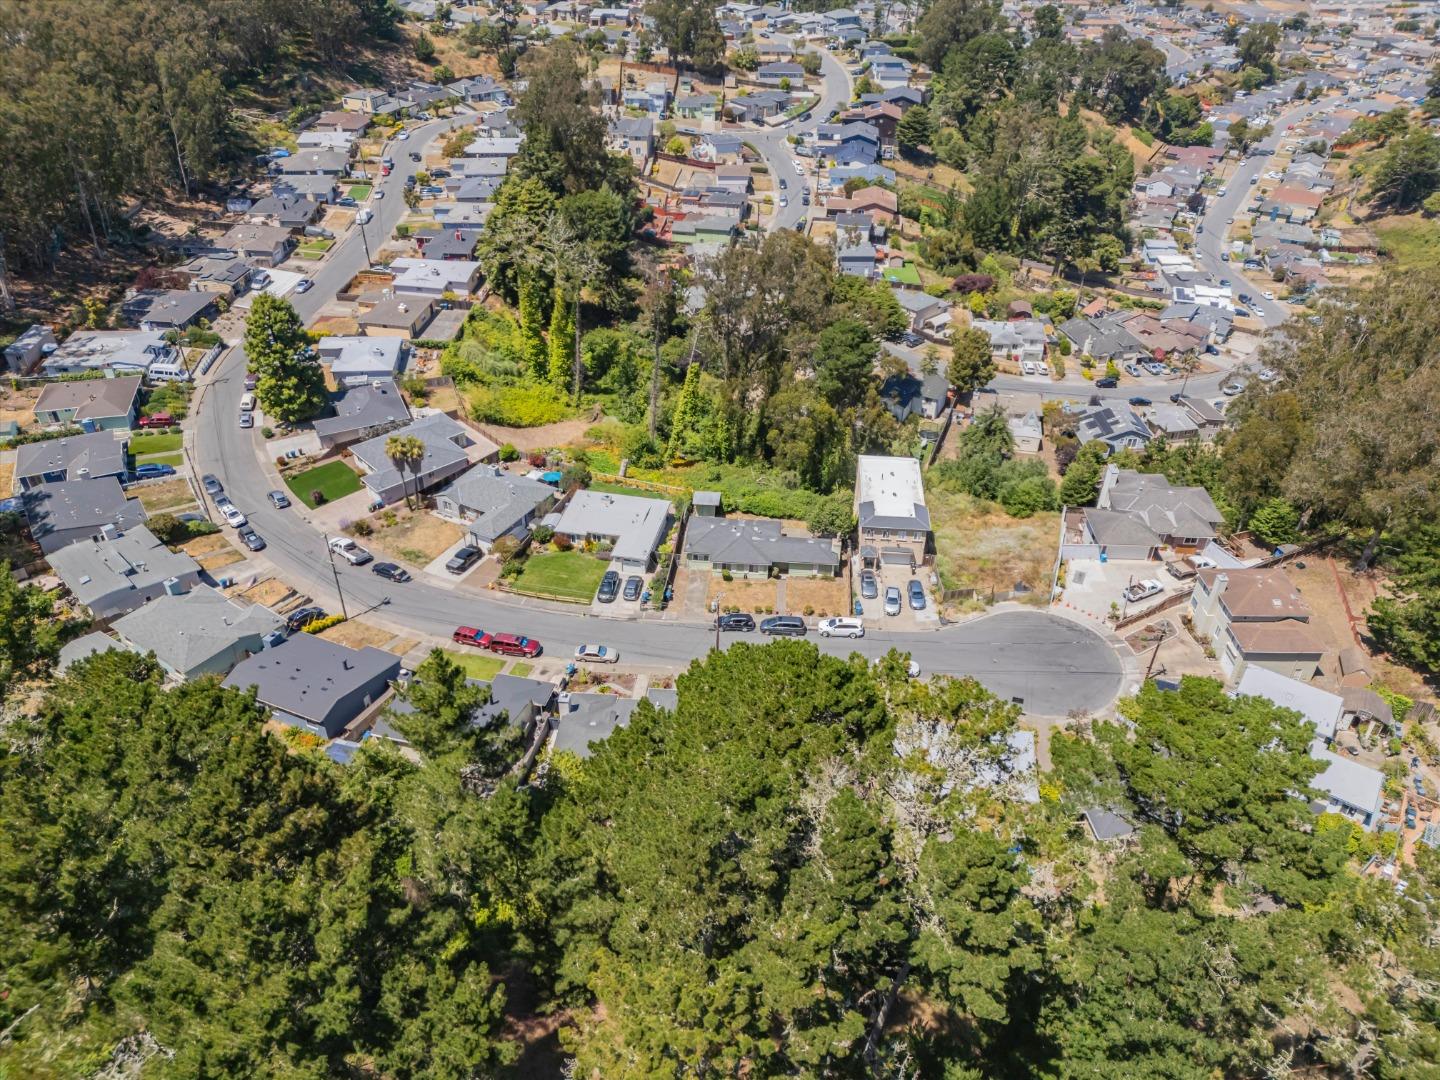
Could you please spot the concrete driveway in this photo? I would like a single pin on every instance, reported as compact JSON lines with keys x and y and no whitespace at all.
{"x":1092,"y":586}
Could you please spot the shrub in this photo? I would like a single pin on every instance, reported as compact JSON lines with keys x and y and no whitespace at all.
{"x":362,"y":528}
{"x":509,"y":453}
{"x":562,"y":542}
{"x":518,"y":406}
{"x":543,"y":534}
{"x":267,"y":432}
{"x":317,"y":497}
{"x":725,"y":575}
{"x":505,"y":549}
{"x":324,"y":624}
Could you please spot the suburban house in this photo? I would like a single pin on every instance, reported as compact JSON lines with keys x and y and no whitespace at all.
{"x":1183,"y":518}
{"x":264,"y":245}
{"x":291,"y":209}
{"x":653,"y":97}
{"x":341,"y":122}
{"x":633,"y":136}
{"x":1322,"y":709}
{"x":113,"y":572}
{"x":1349,"y":788}
{"x":631,"y":524}
{"x":480,"y":88}
{"x":73,"y":457}
{"x":224,"y":273}
{"x":403,"y":317}
{"x":1255,"y":616}
{"x":74,"y":510}
{"x":129,"y":352}
{"x":446,"y":444}
{"x":928,"y":314}
{"x":492,"y":503}
{"x":202,"y":632}
{"x":434,"y":278}
{"x":1119,"y":427}
{"x":1104,"y":338}
{"x":25,"y":351}
{"x":94,"y":404}
{"x":313,"y":163}
{"x":894,"y":522}
{"x":696,"y":107}
{"x":755,"y":548}
{"x":791,"y":75}
{"x":907,"y":394}
{"x":316,"y":685}
{"x":361,"y":359}
{"x":587,"y":719}
{"x":1017,"y":339}
{"x":368,"y":102}
{"x":168,"y":309}
{"x":362,"y":412}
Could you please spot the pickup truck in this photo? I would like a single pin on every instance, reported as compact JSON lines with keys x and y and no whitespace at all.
{"x":350,"y":551}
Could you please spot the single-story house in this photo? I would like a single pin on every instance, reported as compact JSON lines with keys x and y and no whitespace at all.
{"x":264,"y":245}
{"x":587,"y":719}
{"x":129,"y":352}
{"x":202,"y":632}
{"x":433,"y":278}
{"x":1322,"y":709}
{"x":751,"y":548}
{"x":631,"y":524}
{"x":446,"y":444}
{"x":1349,"y":788}
{"x":313,"y":163}
{"x":168,"y":309}
{"x":402,"y":317}
{"x":95,"y":404}
{"x":349,"y":123}
{"x":25,"y":351}
{"x":113,"y":574}
{"x":73,"y":457}
{"x":82,"y":648}
{"x":224,"y":273}
{"x":315,"y":684}
{"x":513,"y":700}
{"x":291,"y":208}
{"x":74,"y":510}
{"x":362,"y":411}
{"x":361,"y":359}
{"x":907,"y":395}
{"x":493,"y":503}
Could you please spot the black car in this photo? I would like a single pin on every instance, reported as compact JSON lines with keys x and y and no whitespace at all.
{"x":251,"y":539}
{"x":1109,"y":382}
{"x":1175,"y":398}
{"x":784,"y":626}
{"x":634,"y":585}
{"x":463,"y":559}
{"x":1140,"y":401}
{"x":211,"y":483}
{"x":736,"y":620}
{"x":911,"y":338}
{"x":609,"y":587}
{"x":298,"y":620}
{"x":414,"y":156}
{"x":391,"y":572}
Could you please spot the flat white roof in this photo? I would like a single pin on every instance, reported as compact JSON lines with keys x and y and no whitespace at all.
{"x":893,"y":484}
{"x":360,"y":354}
{"x":430,"y":274}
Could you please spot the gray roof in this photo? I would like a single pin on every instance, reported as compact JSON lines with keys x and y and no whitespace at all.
{"x":373,"y":404}
{"x":500,"y":502}
{"x":79,"y":504}
{"x":185,"y":631}
{"x":168,"y":307}
{"x":309,"y":677}
{"x":1103,"y":337}
{"x":592,"y":718}
{"x":748,"y":542}
{"x":437,"y":431}
{"x":636,"y":523}
{"x":91,"y":644}
{"x":1167,"y":509}
{"x":1348,"y":781}
{"x":905,"y":394}
{"x":134,"y":561}
{"x":1114,"y":529}
{"x":101,"y":454}
{"x":1107,"y":825}
{"x":510,"y":696}
{"x":1111,"y":425}
{"x":92,"y":399}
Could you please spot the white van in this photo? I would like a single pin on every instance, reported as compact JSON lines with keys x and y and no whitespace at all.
{"x":841,"y":627}
{"x":247,"y":403}
{"x":363,"y":217}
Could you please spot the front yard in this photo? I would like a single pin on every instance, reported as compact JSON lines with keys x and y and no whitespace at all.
{"x":333,"y":480}
{"x":417,"y":538}
{"x":567,"y":574}
{"x":477,"y":665}
{"x":154,"y":444}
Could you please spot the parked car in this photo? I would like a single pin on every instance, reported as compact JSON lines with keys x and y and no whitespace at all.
{"x":1140,"y":401}
{"x":391,"y":572}
{"x":469,"y":635}
{"x":233,"y":517}
{"x":1268,"y":295}
{"x":211,"y":483}
{"x":379,"y":193}
{"x":1143,"y":590}
{"x":346,"y":200}
{"x":783,"y":626}
{"x":634,"y":586}
{"x":414,"y":156}
{"x":1231,"y":389}
{"x":869,"y":586}
{"x":402,"y":136}
{"x":784,"y":201}
{"x":912,"y":339}
{"x":1201,"y":562}
{"x":1268,"y":375}
{"x":304,"y":285}
{"x":597,"y":654}
{"x":805,"y":199}
{"x":154,"y":420}
{"x":279,"y":500}
{"x":463,"y":559}
{"x":1410,"y":818}
{"x":251,"y":539}
{"x":609,"y":587}
{"x":251,"y":382}
{"x":783,"y":184}
{"x":1418,"y":782}
{"x":841,"y":627}
{"x":298,"y":620}
{"x":892,"y":601}
{"x":247,"y":419}
{"x":917,"y":595}
{"x":736,"y":621}
{"x":350,"y":551}
{"x":152,"y":470}
{"x":1109,"y":382}
{"x":363,"y":217}
{"x":513,"y":645}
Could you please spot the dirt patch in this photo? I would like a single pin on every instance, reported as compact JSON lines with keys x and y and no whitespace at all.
{"x":356,"y":635}
{"x":415,"y":537}
{"x":564,"y":433}
{"x":168,"y":495}
{"x":336,"y":326}
{"x":18,"y":405}
{"x":268,"y":591}
{"x":761,"y":596}
{"x":1328,"y":585}
{"x":212,"y":552}
{"x":824,"y":596}
{"x":979,"y":546}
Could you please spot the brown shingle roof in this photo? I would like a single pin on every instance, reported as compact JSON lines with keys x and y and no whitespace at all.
{"x":1259,"y":593}
{"x":1288,"y":637}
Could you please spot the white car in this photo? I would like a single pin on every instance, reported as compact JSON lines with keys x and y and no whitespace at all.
{"x":1268,"y":295}
{"x":1143,"y":590}
{"x":402,"y":136}
{"x":841,"y":627}
{"x":892,"y":601}
{"x":1202,"y":562}
{"x":1269,"y":375}
{"x":304,"y":285}
{"x":913,"y":669}
{"x":379,"y":194}
{"x":1231,"y":389}
{"x":784,"y":201}
{"x":597,"y":654}
{"x":233,"y":517}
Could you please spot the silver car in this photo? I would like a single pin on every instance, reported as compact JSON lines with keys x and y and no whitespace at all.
{"x":892,"y":601}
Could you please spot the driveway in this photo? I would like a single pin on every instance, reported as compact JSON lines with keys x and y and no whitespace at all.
{"x":1092,"y":586}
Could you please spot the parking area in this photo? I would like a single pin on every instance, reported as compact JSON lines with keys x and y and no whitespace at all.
{"x":899,"y":577}
{"x":620,"y":608}
{"x":1092,"y":586}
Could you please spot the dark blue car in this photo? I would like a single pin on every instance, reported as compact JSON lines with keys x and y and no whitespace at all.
{"x":151,"y":471}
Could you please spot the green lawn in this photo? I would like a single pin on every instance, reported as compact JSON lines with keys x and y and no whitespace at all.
{"x":478,"y":665}
{"x":335,"y":480}
{"x":314,"y":249}
{"x":161,"y":459}
{"x":359,"y":192}
{"x":153,"y":444}
{"x":521,"y":670}
{"x":1412,"y":241}
{"x":562,"y":573}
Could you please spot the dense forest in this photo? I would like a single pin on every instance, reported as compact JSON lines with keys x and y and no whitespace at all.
{"x":811,"y":867}
{"x":105,"y":99}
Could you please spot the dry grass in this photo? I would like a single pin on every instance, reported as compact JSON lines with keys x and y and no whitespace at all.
{"x":826,"y":596}
{"x":415,"y":537}
{"x":979,"y":546}
{"x":356,"y":635}
{"x":19,"y":405}
{"x":168,"y":495}
{"x":336,"y":326}
{"x":267,"y":591}
{"x":7,"y":477}
{"x":212,"y":552}
{"x":745,"y":595}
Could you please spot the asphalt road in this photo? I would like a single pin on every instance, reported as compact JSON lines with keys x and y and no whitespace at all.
{"x":1051,"y":663}
{"x":779,"y":153}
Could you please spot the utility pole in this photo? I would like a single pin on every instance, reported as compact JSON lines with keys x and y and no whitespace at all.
{"x":334,"y":570}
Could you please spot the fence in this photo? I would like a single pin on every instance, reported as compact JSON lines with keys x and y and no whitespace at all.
{"x":642,"y":485}
{"x":991,"y":595}
{"x":1174,"y":600}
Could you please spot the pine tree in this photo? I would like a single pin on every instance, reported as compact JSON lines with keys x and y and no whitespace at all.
{"x":686,"y":415}
{"x":532,"y":342}
{"x":562,"y":343}
{"x":291,"y":382}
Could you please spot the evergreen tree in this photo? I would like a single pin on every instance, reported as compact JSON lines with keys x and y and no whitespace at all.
{"x":561,"y":355}
{"x":532,"y":342}
{"x":685,"y":418}
{"x":291,"y":383}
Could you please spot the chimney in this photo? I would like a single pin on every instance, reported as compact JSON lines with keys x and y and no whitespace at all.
{"x":173,"y":587}
{"x":108,"y":532}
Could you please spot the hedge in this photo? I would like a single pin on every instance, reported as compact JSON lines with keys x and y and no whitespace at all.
{"x":324,"y":624}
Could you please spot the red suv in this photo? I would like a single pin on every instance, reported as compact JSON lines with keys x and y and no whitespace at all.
{"x":159,"y":419}
{"x":513,"y":645}
{"x":468,"y":635}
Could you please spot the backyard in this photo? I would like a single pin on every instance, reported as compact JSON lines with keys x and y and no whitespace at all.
{"x":333,"y":480}
{"x":567,"y":574}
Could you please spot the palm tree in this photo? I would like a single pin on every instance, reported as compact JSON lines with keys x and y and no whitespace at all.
{"x":403,"y":451}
